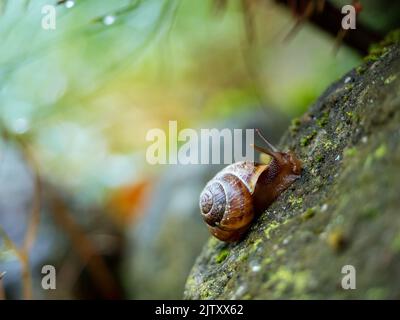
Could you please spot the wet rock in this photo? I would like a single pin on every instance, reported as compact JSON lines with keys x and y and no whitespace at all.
{"x":349,"y":142}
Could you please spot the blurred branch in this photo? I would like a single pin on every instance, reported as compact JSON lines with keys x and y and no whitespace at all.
{"x":122,"y":11}
{"x":2,"y":293}
{"x":24,"y":261}
{"x":87,"y":252}
{"x":329,"y":19}
{"x":34,"y":220}
{"x":85,"y":249}
{"x":34,"y":217}
{"x":22,"y":253}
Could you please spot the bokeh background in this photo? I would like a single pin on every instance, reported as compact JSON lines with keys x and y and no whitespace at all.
{"x":76,"y":103}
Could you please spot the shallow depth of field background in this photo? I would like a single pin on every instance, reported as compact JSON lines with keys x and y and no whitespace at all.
{"x":76,"y":103}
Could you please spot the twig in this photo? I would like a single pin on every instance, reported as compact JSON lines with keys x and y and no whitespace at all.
{"x":2,"y":292}
{"x":34,"y":218}
{"x":81,"y":243}
{"x":24,"y":261}
{"x":329,"y":20}
{"x":308,"y":11}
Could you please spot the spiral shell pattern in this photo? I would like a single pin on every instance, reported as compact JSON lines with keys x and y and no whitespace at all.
{"x":226,"y":201}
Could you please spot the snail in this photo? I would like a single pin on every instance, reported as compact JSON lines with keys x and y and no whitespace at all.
{"x":239,"y":192}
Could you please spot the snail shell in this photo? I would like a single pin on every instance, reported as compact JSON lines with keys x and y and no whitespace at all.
{"x":231,"y":200}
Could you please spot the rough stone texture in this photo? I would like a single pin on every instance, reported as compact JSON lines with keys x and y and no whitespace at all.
{"x":344,"y":210}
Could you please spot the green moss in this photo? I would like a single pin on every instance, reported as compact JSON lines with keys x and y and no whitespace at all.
{"x":213,"y":242}
{"x":222,"y":256}
{"x":305,"y":141}
{"x":190,"y":281}
{"x":350,"y":114}
{"x":392,"y":38}
{"x":327,"y":144}
{"x":339,"y":128}
{"x":308,"y":214}
{"x":295,"y":201}
{"x":272,"y":226}
{"x":375,"y":53}
{"x":377,"y":50}
{"x":361,"y":69}
{"x":255,"y":245}
{"x":205,"y":293}
{"x":243,"y":257}
{"x":284,"y":280}
{"x":349,"y":86}
{"x":323,"y":120}
{"x":247,"y":296}
{"x":350,"y":152}
{"x":390,"y":79}
{"x":294,"y":125}
{"x":319,"y":157}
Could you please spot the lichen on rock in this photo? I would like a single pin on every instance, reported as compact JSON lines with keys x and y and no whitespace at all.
{"x":344,"y":210}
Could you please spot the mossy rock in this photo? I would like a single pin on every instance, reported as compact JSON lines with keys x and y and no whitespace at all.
{"x":344,"y":210}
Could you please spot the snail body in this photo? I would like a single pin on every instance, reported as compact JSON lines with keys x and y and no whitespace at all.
{"x":238,"y":193}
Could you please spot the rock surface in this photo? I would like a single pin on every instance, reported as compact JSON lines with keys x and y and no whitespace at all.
{"x":344,"y":210}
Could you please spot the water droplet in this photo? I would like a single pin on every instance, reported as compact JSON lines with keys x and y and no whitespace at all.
{"x":347,"y":80}
{"x":324,"y":207}
{"x":108,"y":20}
{"x":20,"y":125}
{"x":255,"y":266}
{"x":69,"y":4}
